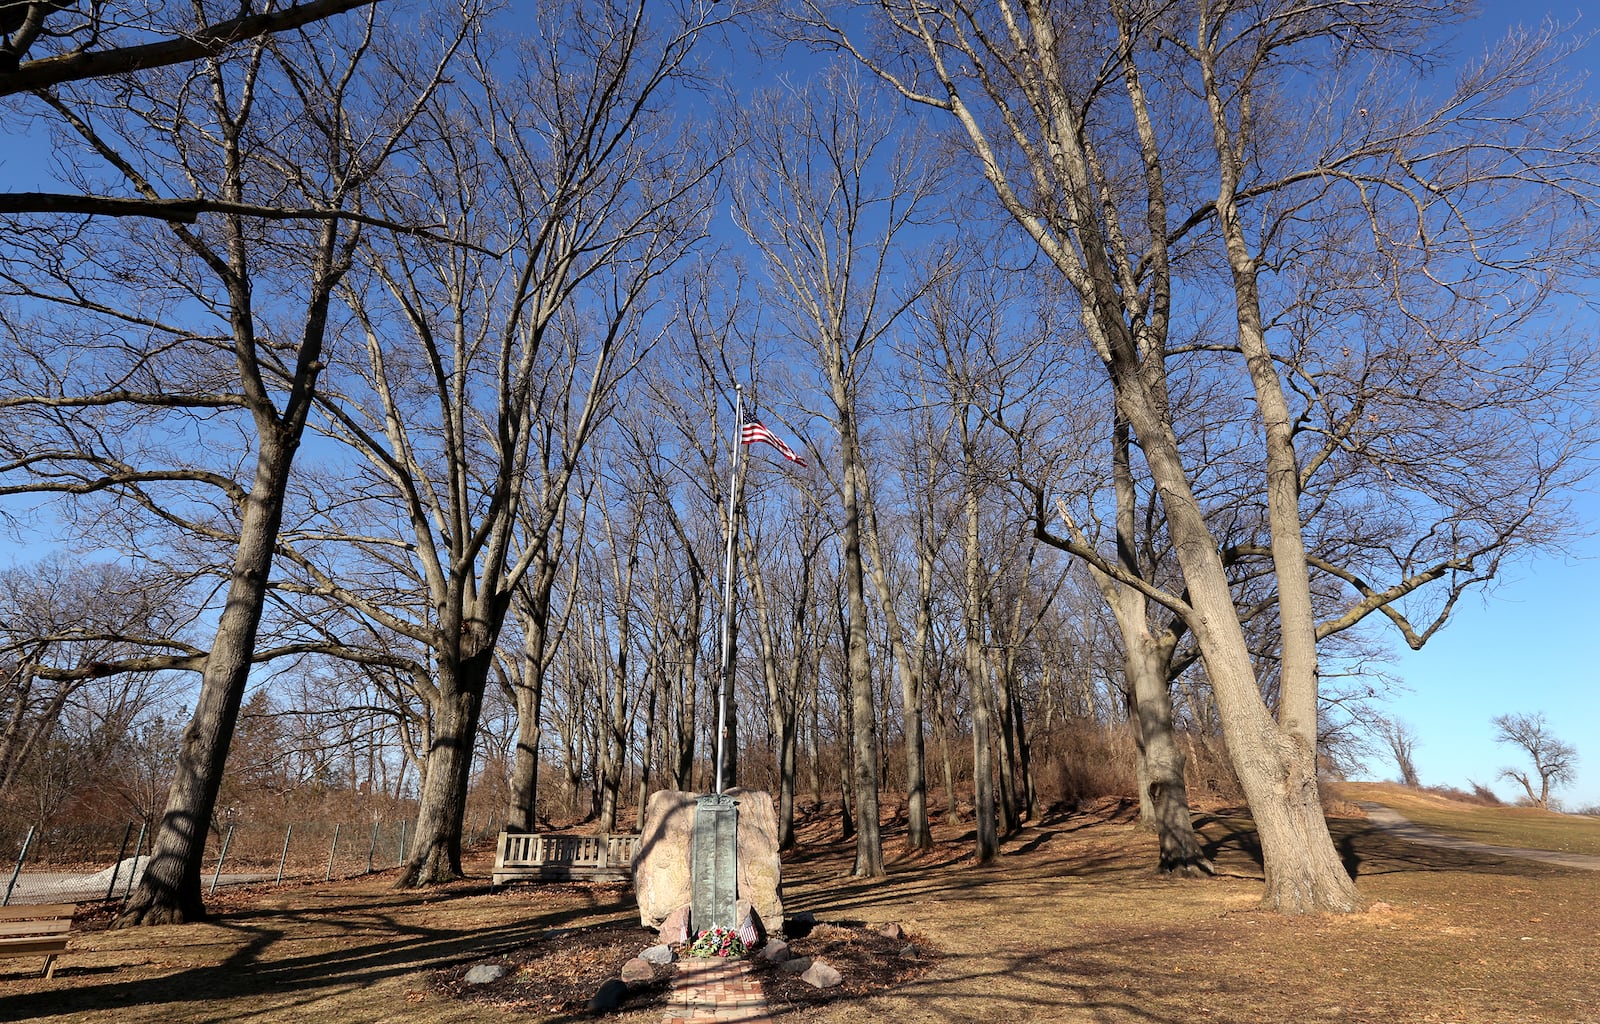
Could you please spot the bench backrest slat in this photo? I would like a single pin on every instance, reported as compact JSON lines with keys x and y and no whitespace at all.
{"x":29,"y":911}
{"x":523,"y":850}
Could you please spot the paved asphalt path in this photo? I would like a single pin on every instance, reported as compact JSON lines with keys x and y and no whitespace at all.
{"x":1394,"y":822}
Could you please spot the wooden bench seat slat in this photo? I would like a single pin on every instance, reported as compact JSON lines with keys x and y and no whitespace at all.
{"x":59,"y":926}
{"x":32,"y":945}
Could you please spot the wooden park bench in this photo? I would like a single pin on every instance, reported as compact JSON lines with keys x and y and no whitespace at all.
{"x":36,"y":930}
{"x":527,"y":857}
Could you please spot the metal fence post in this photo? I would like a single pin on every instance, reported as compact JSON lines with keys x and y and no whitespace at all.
{"x":332,"y":848}
{"x":27,"y":841}
{"x":372,"y":847}
{"x":402,"y":859}
{"x":221,"y":857}
{"x":287,"y":832}
{"x":111,"y":888}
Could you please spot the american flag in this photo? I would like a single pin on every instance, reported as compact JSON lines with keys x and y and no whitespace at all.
{"x":753,"y":431}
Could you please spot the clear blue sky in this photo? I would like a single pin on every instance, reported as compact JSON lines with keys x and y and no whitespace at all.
{"x":1524,"y":648}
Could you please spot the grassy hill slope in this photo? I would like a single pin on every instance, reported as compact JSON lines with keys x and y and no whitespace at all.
{"x":1503,"y":826}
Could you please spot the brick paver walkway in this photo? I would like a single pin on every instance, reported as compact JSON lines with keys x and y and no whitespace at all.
{"x":716,"y":990}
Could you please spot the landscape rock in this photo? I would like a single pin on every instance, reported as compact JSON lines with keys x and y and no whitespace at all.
{"x":661,"y":954}
{"x":892,"y":931}
{"x":776,"y":951}
{"x":661,"y":879}
{"x":797,"y":965}
{"x":483,"y":974}
{"x":800,"y":925}
{"x":608,"y":997}
{"x":675,"y":929}
{"x":820,"y":975}
{"x":638,"y":972}
{"x":909,"y":950}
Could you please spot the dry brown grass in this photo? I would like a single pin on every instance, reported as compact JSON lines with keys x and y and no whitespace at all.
{"x":1070,"y":924}
{"x":1502,"y":826}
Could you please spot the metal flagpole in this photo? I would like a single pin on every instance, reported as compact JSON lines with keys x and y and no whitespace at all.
{"x":725,"y":675}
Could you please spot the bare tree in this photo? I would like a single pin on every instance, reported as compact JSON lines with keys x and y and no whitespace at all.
{"x":542,"y":633}
{"x":831,"y":202}
{"x":612,"y":638}
{"x":84,"y":635}
{"x":1401,"y":739}
{"x":1555,"y":762}
{"x":490,"y":365}
{"x":1087,"y":121}
{"x":782,"y":566}
{"x":44,"y":45}
{"x":277,"y":122}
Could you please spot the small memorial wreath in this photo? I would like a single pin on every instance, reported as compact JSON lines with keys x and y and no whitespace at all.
{"x":723,"y":942}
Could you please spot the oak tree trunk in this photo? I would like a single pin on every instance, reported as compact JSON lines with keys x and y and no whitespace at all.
{"x":988,"y":842}
{"x":169,"y":892}
{"x":1276,"y":767}
{"x":442,"y":803}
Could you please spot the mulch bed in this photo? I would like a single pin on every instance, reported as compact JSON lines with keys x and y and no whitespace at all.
{"x":869,"y":961}
{"x":562,"y":970}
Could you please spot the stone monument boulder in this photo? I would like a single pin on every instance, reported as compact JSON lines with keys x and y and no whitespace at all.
{"x":661,"y":877}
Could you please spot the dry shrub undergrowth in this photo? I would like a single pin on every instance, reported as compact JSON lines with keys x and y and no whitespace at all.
{"x":1083,"y":762}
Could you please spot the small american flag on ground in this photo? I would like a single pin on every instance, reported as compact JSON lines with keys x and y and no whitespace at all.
{"x":753,"y":431}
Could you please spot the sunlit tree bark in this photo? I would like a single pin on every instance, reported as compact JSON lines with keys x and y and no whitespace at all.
{"x":228,"y":266}
{"x":1120,"y":136}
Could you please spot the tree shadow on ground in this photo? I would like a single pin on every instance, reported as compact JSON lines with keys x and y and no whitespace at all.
{"x":1364,"y":850}
{"x":346,"y":943}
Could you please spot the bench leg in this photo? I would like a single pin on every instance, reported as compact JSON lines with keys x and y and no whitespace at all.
{"x":49,"y":966}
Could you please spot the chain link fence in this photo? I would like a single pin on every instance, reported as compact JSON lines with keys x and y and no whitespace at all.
{"x":85,"y":863}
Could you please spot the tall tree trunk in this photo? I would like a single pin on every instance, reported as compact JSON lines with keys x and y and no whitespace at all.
{"x":1010,"y":815}
{"x":816,"y":743}
{"x":847,"y":821}
{"x":534,"y":616}
{"x":941,"y":731}
{"x":169,"y":892}
{"x":1276,"y":767}
{"x":647,"y":753}
{"x":1018,"y":727}
{"x":683,"y":751}
{"x":1165,"y":790}
{"x":442,"y":804}
{"x":910,"y":670}
{"x":919,"y":836}
{"x":847,"y":756}
{"x":614,"y":736}
{"x":988,"y":842}
{"x":863,"y":716}
{"x":1147,"y":656}
{"x":594,"y":766}
{"x":786,"y":770}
